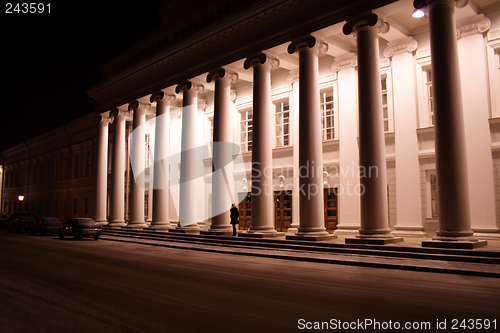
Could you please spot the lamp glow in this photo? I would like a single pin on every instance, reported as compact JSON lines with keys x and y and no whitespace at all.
{"x":418,"y":13}
{"x":20,"y":197}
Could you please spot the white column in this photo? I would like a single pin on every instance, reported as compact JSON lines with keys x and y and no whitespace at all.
{"x":117,"y":200}
{"x":189,"y":204}
{"x":451,"y":155}
{"x":101,"y":186}
{"x":475,"y":99}
{"x":312,"y":220}
{"x":293,"y":80}
{"x":408,"y":197}
{"x":262,"y":149}
{"x":372,"y":161}
{"x":138,"y":160}
{"x":348,"y":189}
{"x":222,"y":153}
{"x":160,"y":220}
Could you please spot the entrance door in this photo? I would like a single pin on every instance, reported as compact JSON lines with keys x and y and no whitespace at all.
{"x":246,"y":212}
{"x":283,"y":210}
{"x":330,"y":198}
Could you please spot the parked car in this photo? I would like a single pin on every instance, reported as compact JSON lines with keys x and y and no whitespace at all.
{"x":7,"y":221}
{"x":80,"y":227}
{"x":50,"y":225}
{"x":21,"y":223}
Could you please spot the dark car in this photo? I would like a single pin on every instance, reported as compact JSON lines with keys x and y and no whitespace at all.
{"x":7,"y":221}
{"x":21,"y":223}
{"x":80,"y":227}
{"x":50,"y":225}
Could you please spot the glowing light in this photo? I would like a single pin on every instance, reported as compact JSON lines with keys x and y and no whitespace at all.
{"x":20,"y":197}
{"x":418,"y":13}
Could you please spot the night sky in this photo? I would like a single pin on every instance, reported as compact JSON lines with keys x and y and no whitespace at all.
{"x":50,"y":60}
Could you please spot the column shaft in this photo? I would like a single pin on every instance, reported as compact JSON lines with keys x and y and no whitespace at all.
{"x":137,"y":156}
{"x":262,"y":149}
{"x":191,"y":158}
{"x":160,"y":182}
{"x":117,"y":218}
{"x":222,"y":153}
{"x":373,"y":174}
{"x":451,"y":160}
{"x":102,"y":171}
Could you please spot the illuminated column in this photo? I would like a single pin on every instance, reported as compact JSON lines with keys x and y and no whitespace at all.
{"x":293,"y":80}
{"x":474,"y":74}
{"x":262,"y":148}
{"x":451,"y":156}
{"x":161,"y":207}
{"x":102,"y":169}
{"x":191,"y":160}
{"x":408,"y":207}
{"x":138,"y":161}
{"x":373,"y":174}
{"x":117,"y":200}
{"x":349,"y":187}
{"x":312,"y":219}
{"x":222,"y":154}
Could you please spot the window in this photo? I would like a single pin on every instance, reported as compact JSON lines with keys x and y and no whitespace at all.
{"x":211,"y":130}
{"x":86,"y":206}
{"x":428,"y":95}
{"x":75,"y":207}
{"x":433,"y":185}
{"x":75,"y":166}
{"x":327,"y":113}
{"x":385,"y":103}
{"x":282,"y":121}
{"x":87,"y":164}
{"x":246,"y":130}
{"x":148,"y":149}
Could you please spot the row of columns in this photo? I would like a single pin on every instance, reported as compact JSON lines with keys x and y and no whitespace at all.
{"x":454,"y":220}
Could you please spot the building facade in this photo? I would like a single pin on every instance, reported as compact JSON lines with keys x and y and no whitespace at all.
{"x":393,"y":120}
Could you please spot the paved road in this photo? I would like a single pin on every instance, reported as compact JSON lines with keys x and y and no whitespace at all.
{"x":52,"y":285}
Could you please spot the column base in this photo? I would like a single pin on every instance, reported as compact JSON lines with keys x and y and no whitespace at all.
{"x":189,"y":229}
{"x":101,"y":222}
{"x":486,"y":233}
{"x":454,"y":242}
{"x":116,"y":224}
{"x":311,"y":238}
{"x":373,"y":240}
{"x":135,"y":225}
{"x":159,"y":227}
{"x":409,"y":231}
{"x":312,"y":234}
{"x":218,"y":231}
{"x":261,"y":234}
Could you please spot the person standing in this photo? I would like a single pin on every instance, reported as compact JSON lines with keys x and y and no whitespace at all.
{"x":234,"y":217}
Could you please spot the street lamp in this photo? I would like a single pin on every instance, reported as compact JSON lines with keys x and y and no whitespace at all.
{"x":20,"y":197}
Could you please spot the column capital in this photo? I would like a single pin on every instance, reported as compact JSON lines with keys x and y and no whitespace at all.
{"x":367,"y":19}
{"x":260,"y":59}
{"x":420,"y":4}
{"x":408,"y":44}
{"x":350,"y":60}
{"x":119,"y":112}
{"x":102,"y":117}
{"x":309,"y":42}
{"x":134,"y":105}
{"x":478,"y":25}
{"x":221,"y":73}
{"x":160,"y":95}
{"x":293,"y":77}
{"x":188,"y":85}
